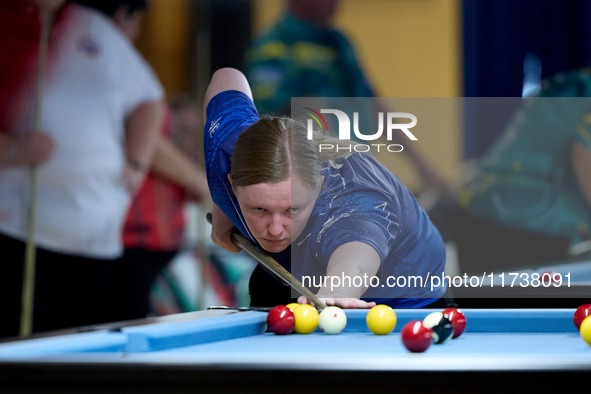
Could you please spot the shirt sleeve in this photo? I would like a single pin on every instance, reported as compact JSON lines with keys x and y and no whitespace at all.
{"x":150,"y":89}
{"x":229,"y":113}
{"x":141,"y":83}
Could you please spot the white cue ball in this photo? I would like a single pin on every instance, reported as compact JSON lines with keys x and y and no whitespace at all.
{"x":332,"y":320}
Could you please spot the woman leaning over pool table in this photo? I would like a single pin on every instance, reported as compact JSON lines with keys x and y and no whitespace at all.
{"x":337,"y":216}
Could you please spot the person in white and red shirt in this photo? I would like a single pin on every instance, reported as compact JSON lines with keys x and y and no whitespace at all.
{"x":101,"y":115}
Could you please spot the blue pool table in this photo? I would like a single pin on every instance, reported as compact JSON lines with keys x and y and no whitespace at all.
{"x":228,"y":351}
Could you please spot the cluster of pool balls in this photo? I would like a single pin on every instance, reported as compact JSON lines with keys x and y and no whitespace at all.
{"x":436,"y":327}
{"x":417,"y":336}
{"x":582,"y":320}
{"x":304,"y":318}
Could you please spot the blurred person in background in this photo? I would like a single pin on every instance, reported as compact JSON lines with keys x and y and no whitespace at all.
{"x":155,"y":226}
{"x":303,"y":55}
{"x":531,"y":197}
{"x":101,"y":113}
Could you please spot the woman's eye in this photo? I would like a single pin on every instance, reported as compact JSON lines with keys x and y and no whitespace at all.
{"x":294,"y":210}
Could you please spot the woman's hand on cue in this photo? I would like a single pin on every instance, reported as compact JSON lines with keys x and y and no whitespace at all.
{"x":34,"y":148}
{"x":344,"y":303}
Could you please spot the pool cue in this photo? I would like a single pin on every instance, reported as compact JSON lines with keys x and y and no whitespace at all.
{"x":205,"y":262}
{"x":26,"y":323}
{"x":267,"y":261}
{"x":239,"y":308}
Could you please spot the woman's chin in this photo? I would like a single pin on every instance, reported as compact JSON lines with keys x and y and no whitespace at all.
{"x":274,"y":246}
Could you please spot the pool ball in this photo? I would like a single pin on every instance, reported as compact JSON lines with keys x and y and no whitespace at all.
{"x":440,"y":325}
{"x":416,"y":337}
{"x":292,"y":305}
{"x":580,"y":314}
{"x":586,"y":330}
{"x":381,"y":319}
{"x":458,"y":320}
{"x":306,"y":319}
{"x":332,"y":320}
{"x":549,"y":277}
{"x":280,"y":320}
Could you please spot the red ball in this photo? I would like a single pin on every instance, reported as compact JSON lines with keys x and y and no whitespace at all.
{"x":416,"y":337}
{"x":580,"y":314}
{"x":280,"y":320}
{"x":549,"y":277}
{"x":457,"y":319}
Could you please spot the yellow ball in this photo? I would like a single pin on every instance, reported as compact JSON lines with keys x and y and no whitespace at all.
{"x":306,"y":319}
{"x":585,"y":329}
{"x":381,"y":319}
{"x":292,"y":305}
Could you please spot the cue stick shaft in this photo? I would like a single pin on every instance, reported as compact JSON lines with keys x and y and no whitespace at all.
{"x":270,"y":263}
{"x":205,"y":265}
{"x":28,"y":293}
{"x":267,"y":261}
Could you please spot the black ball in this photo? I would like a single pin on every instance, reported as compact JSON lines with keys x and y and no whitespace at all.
{"x":440,"y":325}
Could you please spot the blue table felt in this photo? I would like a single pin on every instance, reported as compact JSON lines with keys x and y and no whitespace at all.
{"x":494,"y":339}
